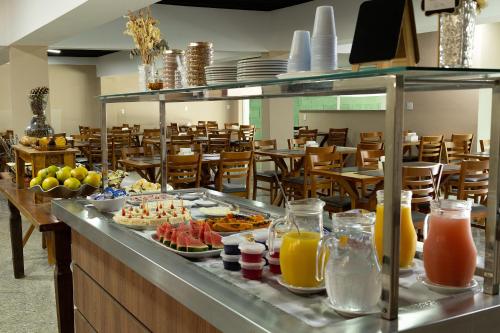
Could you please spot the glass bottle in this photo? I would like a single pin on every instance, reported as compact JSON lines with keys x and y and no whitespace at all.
{"x":408,"y":236}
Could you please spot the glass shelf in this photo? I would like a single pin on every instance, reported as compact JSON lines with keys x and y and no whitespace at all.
{"x":415,"y":79}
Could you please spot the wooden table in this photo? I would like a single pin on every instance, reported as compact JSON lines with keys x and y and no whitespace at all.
{"x":477,"y":155}
{"x":349,"y":178}
{"x":58,"y":238}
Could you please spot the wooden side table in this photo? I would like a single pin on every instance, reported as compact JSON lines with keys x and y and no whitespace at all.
{"x":40,"y":160}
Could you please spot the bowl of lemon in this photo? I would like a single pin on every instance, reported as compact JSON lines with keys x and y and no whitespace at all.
{"x":65,"y":182}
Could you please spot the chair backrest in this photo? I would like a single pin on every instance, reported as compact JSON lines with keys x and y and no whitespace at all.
{"x":367,"y":146}
{"x":175,"y":149}
{"x":467,"y":138}
{"x":125,"y":126}
{"x":269,"y":144}
{"x":450,"y":151}
{"x":184,"y":171}
{"x":94,"y":130}
{"x":202,"y":122}
{"x":369,"y":158}
{"x":84,"y":130}
{"x":485,"y":145}
{"x":308,"y":134}
{"x":337,"y":136}
{"x":430,"y":148}
{"x":371,"y":137}
{"x":174,"y":129}
{"x":181,"y":139}
{"x":218,"y":143}
{"x":320,"y":150}
{"x":296,"y":143}
{"x":246,"y":134}
{"x":133,"y":152}
{"x":184,"y":128}
{"x":231,"y":125}
{"x":423,"y":182}
{"x":212,"y":123}
{"x":473,"y":181}
{"x":151,"y":133}
{"x":136,"y":128}
{"x":211,"y":128}
{"x":235,"y":165}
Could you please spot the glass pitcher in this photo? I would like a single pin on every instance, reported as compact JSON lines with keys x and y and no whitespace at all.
{"x":449,"y":250}
{"x":408,"y":235}
{"x":352,"y":274}
{"x":302,"y":227}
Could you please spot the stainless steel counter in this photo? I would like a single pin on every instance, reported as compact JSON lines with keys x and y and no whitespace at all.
{"x":230,"y":309}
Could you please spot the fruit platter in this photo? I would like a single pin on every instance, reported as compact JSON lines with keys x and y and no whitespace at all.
{"x":65,"y":182}
{"x":232,"y":223}
{"x":193,"y":240}
{"x":150,"y":215}
{"x":51,"y":143}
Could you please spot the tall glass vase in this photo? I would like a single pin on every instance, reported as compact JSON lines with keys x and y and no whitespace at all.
{"x":456,"y":36}
{"x":146,"y":75}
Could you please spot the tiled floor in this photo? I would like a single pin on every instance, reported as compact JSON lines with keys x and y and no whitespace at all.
{"x":28,"y":304}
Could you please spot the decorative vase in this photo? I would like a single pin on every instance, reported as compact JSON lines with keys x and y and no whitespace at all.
{"x":456,"y":36}
{"x":37,"y":127}
{"x":146,"y":75}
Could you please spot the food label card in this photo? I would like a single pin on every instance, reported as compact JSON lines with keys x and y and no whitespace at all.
{"x":439,"y":5}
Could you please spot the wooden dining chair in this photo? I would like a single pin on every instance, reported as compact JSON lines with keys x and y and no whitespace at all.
{"x":371,"y":137}
{"x":174,"y":129}
{"x":299,"y":187}
{"x":184,"y":171}
{"x":337,"y":137}
{"x":184,"y":128}
{"x":84,"y":130}
{"x":218,"y":143}
{"x":119,"y":141}
{"x":233,"y":168}
{"x":212,"y":123}
{"x":174,"y":149}
{"x":467,"y":138}
{"x":424,"y":183}
{"x":369,"y":158}
{"x":246,"y":136}
{"x":131,"y":152}
{"x":152,"y":133}
{"x":451,"y":151}
{"x":231,"y":125}
{"x":181,"y":139}
{"x":136,"y":128}
{"x":297,"y":143}
{"x":308,"y":134}
{"x":485,"y":145}
{"x":202,"y":122}
{"x":430,"y":148}
{"x":265,"y":176}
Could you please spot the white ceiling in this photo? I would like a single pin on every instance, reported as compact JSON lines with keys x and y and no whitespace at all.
{"x":244,"y":31}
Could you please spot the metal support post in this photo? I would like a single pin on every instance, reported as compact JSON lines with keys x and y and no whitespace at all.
{"x":492,"y":241}
{"x":392,"y":195}
{"x":104,"y":146}
{"x":163,"y":144}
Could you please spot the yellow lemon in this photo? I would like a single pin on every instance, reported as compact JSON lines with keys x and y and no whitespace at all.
{"x":49,"y":183}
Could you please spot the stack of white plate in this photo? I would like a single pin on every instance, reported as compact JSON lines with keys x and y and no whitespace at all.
{"x":219,"y":74}
{"x":260,"y":69}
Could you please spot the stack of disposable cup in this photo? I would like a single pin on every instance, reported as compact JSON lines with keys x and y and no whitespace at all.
{"x":324,"y":40}
{"x":300,"y":52}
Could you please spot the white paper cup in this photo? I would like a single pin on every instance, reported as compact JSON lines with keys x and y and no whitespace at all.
{"x":300,"y":52}
{"x":324,"y":21}
{"x":324,"y":53}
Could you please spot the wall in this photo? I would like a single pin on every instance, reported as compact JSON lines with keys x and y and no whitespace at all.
{"x":73,"y":97}
{"x":5,"y":105}
{"x":146,"y":113}
{"x":434,"y":113}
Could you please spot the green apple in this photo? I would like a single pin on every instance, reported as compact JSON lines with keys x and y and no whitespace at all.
{"x":63,"y":174}
{"x":42,"y":173}
{"x":36,"y":181}
{"x":79,"y":173}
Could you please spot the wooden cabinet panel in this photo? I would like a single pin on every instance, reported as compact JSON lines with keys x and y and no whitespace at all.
{"x":82,"y":325}
{"x":150,"y":305}
{"x":101,"y":310}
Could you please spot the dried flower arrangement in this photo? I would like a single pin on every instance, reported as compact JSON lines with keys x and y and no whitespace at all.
{"x":38,"y":99}
{"x":143,"y":28}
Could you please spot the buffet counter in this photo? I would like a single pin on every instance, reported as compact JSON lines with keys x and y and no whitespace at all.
{"x":123,"y":281}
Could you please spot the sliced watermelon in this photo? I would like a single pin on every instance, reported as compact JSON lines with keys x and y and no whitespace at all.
{"x":182,"y":241}
{"x":159,"y":233}
{"x":167,"y":236}
{"x":195,"y":227}
{"x":216,"y":240}
{"x":205,"y":227}
{"x":173,"y":238}
{"x":207,"y":238}
{"x":195,"y":245}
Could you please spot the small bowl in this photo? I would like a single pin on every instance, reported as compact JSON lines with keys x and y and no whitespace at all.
{"x":108,"y":205}
{"x":231,"y":262}
{"x":251,"y":252}
{"x":274,"y":264}
{"x":231,"y":245}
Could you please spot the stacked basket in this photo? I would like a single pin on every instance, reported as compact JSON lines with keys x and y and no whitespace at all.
{"x":170,"y":63}
{"x":198,"y":56}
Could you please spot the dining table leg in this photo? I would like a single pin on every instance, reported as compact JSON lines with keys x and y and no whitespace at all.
{"x":16,"y":241}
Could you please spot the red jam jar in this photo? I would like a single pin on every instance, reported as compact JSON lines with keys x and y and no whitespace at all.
{"x":274,"y":264}
{"x":277,"y":247}
{"x":251,"y":252}
{"x":252,"y":271}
